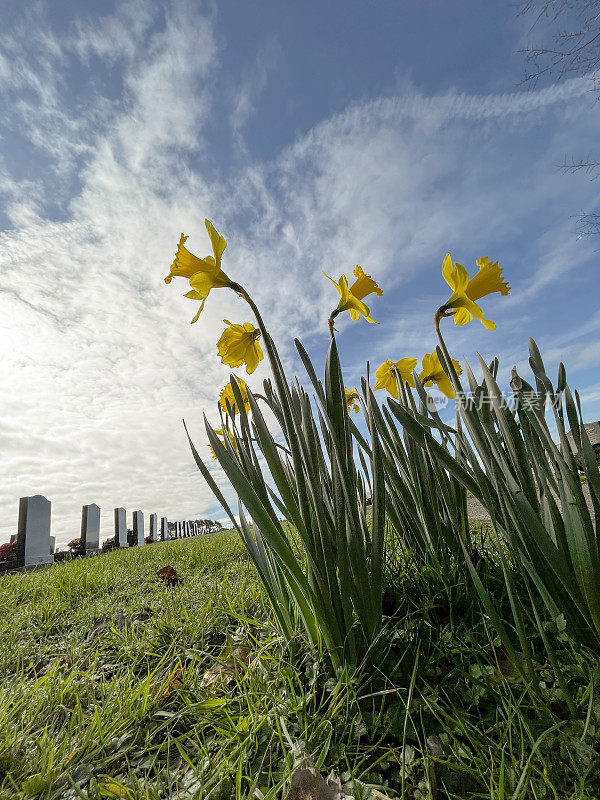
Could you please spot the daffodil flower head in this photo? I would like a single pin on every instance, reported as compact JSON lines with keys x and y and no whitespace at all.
{"x":239,"y":345}
{"x":387,"y":373}
{"x":203,"y":274}
{"x":227,"y":397}
{"x":465,"y":290}
{"x":351,"y":297}
{"x":433,"y":372}
{"x":220,"y":432}
{"x":352,"y":398}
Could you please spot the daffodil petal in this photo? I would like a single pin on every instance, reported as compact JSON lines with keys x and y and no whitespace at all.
{"x":218,"y":242}
{"x":198,"y":312}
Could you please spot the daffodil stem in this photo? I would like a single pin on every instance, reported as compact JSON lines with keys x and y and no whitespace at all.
{"x":452,"y":374}
{"x":276,"y":366}
{"x":331,"y":320}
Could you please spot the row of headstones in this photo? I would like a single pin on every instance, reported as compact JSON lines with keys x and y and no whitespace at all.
{"x":35,"y":545}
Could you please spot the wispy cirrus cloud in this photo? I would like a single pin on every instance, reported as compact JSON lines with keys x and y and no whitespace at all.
{"x":98,"y":355}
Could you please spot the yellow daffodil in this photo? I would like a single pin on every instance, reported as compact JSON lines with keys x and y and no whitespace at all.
{"x":203,"y":274}
{"x":386,"y":374}
{"x":351,"y":297}
{"x":239,"y":345}
{"x":227,"y":396}
{"x":466,"y":291}
{"x":351,"y":399}
{"x":219,"y":432}
{"x":433,"y":372}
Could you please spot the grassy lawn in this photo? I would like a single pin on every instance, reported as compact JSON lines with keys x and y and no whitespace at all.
{"x":116,"y":685}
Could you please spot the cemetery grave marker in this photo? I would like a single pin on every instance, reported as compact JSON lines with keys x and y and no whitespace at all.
{"x":154,"y":527}
{"x":33,"y":537}
{"x":138,"y":527}
{"x":90,"y":529}
{"x":120,"y":527}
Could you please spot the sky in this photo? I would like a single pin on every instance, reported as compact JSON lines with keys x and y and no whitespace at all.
{"x":315,"y":137}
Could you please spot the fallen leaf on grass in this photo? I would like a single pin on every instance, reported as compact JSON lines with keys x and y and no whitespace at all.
{"x":309,"y":784}
{"x":223,"y":672}
{"x":173,"y":684}
{"x":169,"y":575}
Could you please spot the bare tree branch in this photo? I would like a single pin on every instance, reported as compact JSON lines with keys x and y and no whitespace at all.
{"x":569,"y":53}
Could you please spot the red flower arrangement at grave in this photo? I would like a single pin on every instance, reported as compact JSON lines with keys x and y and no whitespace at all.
{"x":8,"y":552}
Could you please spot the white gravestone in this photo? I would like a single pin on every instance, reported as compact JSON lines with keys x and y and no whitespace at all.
{"x":138,"y":527}
{"x":90,"y":528}
{"x":187,"y":529}
{"x":164,"y":529}
{"x":120,"y":527}
{"x":33,"y":535}
{"x":154,"y":527}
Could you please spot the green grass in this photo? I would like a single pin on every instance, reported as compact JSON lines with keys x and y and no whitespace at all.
{"x":103,"y":691}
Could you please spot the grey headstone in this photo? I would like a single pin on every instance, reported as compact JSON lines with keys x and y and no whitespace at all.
{"x":164,"y":529}
{"x":34,"y":531}
{"x":154,"y":527}
{"x":179,"y":530}
{"x":120,"y":527}
{"x":138,"y":527}
{"x":90,"y":528}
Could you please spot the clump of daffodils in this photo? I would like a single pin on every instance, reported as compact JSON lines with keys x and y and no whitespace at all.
{"x":338,"y":609}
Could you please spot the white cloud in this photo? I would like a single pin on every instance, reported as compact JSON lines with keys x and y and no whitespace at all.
{"x":98,"y":358}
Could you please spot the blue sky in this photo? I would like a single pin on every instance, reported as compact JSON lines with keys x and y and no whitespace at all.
{"x":315,"y":136}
